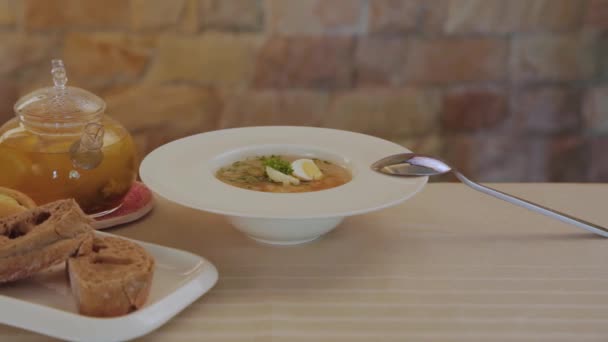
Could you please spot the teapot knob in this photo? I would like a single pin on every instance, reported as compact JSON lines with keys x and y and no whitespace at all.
{"x":86,"y":153}
{"x":60,"y":77}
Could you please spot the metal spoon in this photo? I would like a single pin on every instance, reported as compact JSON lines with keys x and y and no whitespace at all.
{"x":410,"y":164}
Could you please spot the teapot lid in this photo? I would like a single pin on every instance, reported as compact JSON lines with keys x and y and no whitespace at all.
{"x":59,"y":104}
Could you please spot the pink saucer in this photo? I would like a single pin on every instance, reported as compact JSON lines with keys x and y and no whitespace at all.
{"x":136,"y":204}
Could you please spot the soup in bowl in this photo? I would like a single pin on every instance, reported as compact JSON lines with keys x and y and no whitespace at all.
{"x":278,"y":185}
{"x":284,"y":174}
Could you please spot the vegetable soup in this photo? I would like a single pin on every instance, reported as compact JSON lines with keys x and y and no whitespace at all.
{"x":284,"y":174}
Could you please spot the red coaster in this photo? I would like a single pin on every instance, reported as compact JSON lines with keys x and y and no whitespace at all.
{"x":137,"y":203}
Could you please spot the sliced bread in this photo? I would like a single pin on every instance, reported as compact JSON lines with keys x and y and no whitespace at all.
{"x":14,"y":202}
{"x":41,"y":237}
{"x":110,"y":277}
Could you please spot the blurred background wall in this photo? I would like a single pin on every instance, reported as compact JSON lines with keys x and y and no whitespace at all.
{"x":507,"y":90}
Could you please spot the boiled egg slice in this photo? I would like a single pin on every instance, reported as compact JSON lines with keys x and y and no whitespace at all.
{"x":306,"y":169}
{"x":280,"y":177}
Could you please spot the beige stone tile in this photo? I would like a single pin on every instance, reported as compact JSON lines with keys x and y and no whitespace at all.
{"x":292,"y":17}
{"x":235,"y":15}
{"x":177,"y":110}
{"x":63,"y":14}
{"x":543,"y":57}
{"x":211,"y":58}
{"x":9,"y":92}
{"x":498,"y":16}
{"x":19,"y":51}
{"x":596,"y":15}
{"x":471,"y":108}
{"x":595,"y":109}
{"x":99,"y":58}
{"x":388,"y":113}
{"x":271,"y":107}
{"x":395,"y":16}
{"x":444,"y":60}
{"x":155,"y":14}
{"x":8,"y":12}
{"x":548,"y":109}
{"x":565,"y":154}
{"x":598,"y":163}
{"x":310,"y":62}
{"x":381,"y":60}
{"x":190,"y":17}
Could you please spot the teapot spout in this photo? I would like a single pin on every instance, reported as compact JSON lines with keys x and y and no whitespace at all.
{"x":86,"y":153}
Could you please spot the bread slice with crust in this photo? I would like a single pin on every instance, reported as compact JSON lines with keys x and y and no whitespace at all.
{"x":110,"y":277}
{"x":14,"y":202}
{"x":41,"y":237}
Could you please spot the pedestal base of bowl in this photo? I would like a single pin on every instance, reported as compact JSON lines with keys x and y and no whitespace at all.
{"x":284,"y":232}
{"x":283,"y":243}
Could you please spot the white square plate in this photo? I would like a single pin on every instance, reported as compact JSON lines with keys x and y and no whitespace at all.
{"x":44,"y":303}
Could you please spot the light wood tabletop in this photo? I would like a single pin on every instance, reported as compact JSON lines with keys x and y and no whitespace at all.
{"x":450,"y":264}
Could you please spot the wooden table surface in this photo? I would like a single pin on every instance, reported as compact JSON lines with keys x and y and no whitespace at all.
{"x":451,"y":264}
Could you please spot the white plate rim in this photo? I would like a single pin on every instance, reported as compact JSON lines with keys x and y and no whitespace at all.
{"x":172,"y":157}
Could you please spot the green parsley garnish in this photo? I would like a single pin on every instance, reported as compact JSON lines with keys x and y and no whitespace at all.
{"x":278,"y":164}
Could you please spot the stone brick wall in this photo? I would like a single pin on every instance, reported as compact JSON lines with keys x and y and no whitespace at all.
{"x":507,"y":90}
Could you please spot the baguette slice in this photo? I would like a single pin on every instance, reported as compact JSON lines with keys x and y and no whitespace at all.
{"x":41,"y":237}
{"x":110,"y":277}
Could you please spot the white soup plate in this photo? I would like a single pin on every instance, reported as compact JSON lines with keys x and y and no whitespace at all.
{"x":183,"y":171}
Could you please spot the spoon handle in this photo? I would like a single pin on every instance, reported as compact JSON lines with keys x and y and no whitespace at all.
{"x":599,"y":230}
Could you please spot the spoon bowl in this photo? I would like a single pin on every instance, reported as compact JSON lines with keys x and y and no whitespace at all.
{"x":411,"y":164}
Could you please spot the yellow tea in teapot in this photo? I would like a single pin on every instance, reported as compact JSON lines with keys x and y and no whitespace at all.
{"x":62,"y":145}
{"x":43,"y":166}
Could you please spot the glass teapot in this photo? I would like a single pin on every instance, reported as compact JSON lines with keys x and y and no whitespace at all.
{"x":61,"y":145}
